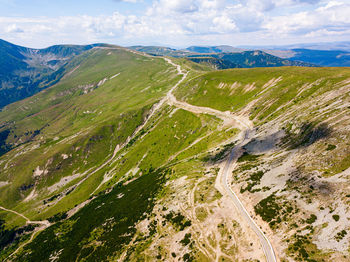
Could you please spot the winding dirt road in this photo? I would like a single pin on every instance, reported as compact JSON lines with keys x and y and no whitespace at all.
{"x":245,"y":125}
{"x":28,"y":221}
{"x":229,"y":166}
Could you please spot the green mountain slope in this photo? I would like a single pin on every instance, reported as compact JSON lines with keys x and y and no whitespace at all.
{"x":25,"y":71}
{"x":213,"y":62}
{"x":123,"y":159}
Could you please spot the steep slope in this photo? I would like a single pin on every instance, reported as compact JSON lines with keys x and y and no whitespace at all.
{"x":132,"y":157}
{"x":64,"y":113}
{"x":25,"y":71}
{"x":294,"y":171}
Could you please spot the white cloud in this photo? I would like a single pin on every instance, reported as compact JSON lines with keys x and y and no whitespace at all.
{"x":223,"y":24}
{"x":332,"y":17}
{"x":13,"y":28}
{"x":184,"y":21}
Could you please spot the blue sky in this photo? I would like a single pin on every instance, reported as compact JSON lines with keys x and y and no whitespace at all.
{"x":176,"y":23}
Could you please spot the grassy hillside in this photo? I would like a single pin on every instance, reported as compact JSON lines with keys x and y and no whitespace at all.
{"x":234,"y":89}
{"x":104,"y":173}
{"x":83,"y":117}
{"x":215,"y":63}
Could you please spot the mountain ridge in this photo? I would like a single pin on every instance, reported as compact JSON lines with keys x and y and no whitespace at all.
{"x":25,"y":71}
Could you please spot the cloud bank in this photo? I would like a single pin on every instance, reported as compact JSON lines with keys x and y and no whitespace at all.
{"x":184,"y":22}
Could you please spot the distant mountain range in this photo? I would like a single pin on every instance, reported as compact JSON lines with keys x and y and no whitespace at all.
{"x":225,"y":56}
{"x":249,"y":59}
{"x":322,"y":57}
{"x":26,"y":71}
{"x":339,"y":46}
{"x":327,"y":54}
{"x":215,"y":49}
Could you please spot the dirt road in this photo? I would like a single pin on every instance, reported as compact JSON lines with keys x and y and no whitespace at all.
{"x":245,"y":125}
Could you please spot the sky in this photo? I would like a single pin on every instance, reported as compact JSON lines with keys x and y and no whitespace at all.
{"x":173,"y":23}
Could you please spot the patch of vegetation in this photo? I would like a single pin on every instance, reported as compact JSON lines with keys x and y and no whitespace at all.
{"x":188,"y":257}
{"x":178,"y":220}
{"x":221,"y":154}
{"x":11,"y":237}
{"x":186,"y":240}
{"x":302,"y":248}
{"x":311,"y":219}
{"x":272,"y":211}
{"x":58,"y":217}
{"x":248,"y":166}
{"x":51,"y":198}
{"x":253,"y":180}
{"x":245,"y":157}
{"x":336,"y":217}
{"x":340,"y":235}
{"x":268,"y":208}
{"x":331,"y":147}
{"x":139,"y":134}
{"x":7,"y":236}
{"x":4,"y":146}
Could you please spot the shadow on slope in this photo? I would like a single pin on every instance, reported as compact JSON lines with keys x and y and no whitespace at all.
{"x":307,"y":134}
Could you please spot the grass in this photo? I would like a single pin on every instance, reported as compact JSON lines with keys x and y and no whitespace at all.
{"x":206,"y":192}
{"x":201,"y":213}
{"x":229,"y":89}
{"x":85,"y":126}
